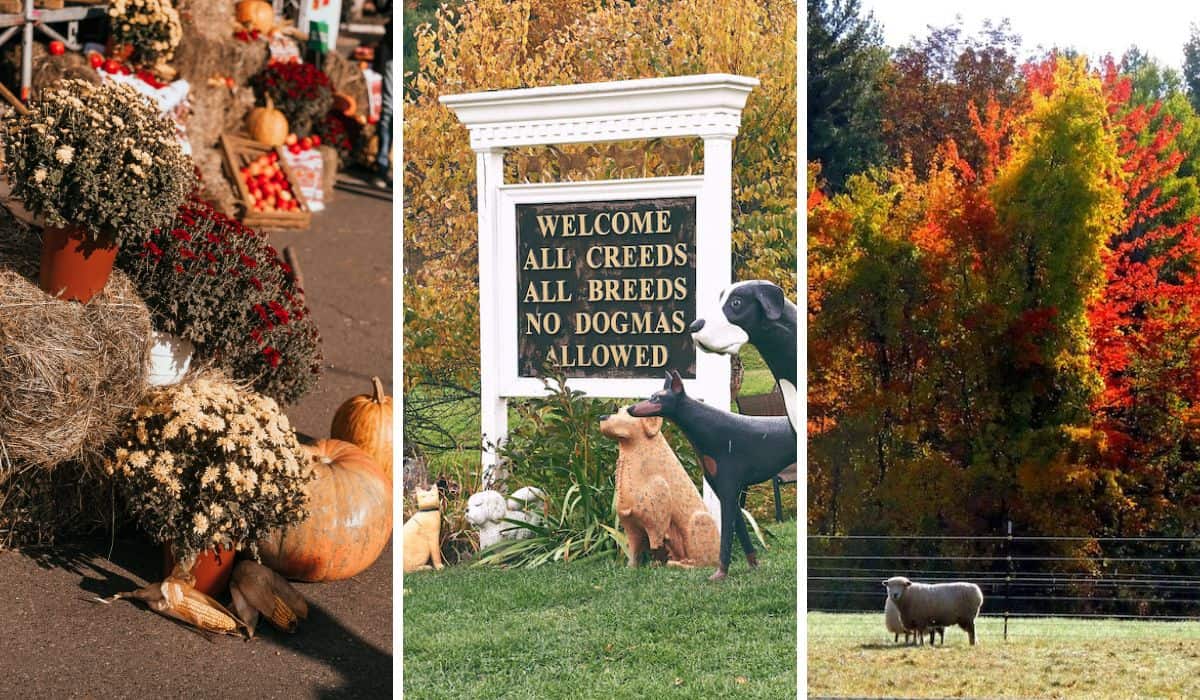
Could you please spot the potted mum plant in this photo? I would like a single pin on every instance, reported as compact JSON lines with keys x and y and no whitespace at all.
{"x":144,"y":31}
{"x":301,"y":91}
{"x":224,"y":291}
{"x":100,"y":167}
{"x":208,"y":469}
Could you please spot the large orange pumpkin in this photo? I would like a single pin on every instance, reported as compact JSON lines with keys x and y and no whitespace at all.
{"x":349,"y":522}
{"x":267,"y":125}
{"x":366,"y":421}
{"x":256,"y":14}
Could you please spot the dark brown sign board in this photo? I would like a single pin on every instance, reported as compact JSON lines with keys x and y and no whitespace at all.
{"x":607,"y":288}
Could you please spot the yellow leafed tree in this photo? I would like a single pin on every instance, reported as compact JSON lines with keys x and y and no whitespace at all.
{"x":492,"y":45}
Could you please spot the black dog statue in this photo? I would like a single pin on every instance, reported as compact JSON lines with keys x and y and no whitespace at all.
{"x":735,"y":452}
{"x":756,"y":312}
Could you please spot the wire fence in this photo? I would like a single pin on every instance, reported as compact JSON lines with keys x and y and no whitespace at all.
{"x":1022,"y":577}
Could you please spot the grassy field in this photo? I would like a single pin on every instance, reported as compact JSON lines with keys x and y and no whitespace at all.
{"x":595,"y":629}
{"x":852,"y":655}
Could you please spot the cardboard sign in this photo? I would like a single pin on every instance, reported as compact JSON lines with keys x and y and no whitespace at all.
{"x":374,"y":94}
{"x":606,"y":289}
{"x":308,"y":167}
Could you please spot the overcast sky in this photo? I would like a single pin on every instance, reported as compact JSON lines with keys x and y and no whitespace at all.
{"x":1158,"y":27}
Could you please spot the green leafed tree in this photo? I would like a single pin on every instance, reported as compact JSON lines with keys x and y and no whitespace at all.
{"x":846,"y":63}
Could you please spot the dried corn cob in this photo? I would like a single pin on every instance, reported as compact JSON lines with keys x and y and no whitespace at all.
{"x":257,"y":589}
{"x":182,"y":602}
{"x":178,"y":600}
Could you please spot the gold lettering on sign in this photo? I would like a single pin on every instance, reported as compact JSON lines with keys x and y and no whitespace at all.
{"x":547,"y":259}
{"x":621,"y":289}
{"x":541,"y":292}
{"x":538,"y":323}
{"x":614,"y":355}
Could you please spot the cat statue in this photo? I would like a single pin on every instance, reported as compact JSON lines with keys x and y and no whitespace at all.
{"x":421,"y":535}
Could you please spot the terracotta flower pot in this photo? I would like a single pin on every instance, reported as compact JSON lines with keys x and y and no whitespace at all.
{"x":74,"y":268}
{"x":212,"y":569}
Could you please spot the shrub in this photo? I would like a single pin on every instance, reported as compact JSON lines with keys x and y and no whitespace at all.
{"x":220,"y":285}
{"x":100,"y":157}
{"x":205,"y":464}
{"x":300,"y":90}
{"x":556,"y":444}
{"x":151,"y":27}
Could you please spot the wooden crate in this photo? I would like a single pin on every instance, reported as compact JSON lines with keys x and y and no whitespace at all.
{"x":17,"y":7}
{"x":239,"y":151}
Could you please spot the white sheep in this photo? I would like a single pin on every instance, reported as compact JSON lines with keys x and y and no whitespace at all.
{"x":488,"y":512}
{"x":923,"y":606}
{"x":891,"y":619}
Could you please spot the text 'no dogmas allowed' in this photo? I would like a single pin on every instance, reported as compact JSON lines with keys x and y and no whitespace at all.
{"x":606,"y":289}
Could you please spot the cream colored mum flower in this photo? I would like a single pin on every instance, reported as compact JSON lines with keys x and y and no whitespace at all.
{"x":199,"y":523}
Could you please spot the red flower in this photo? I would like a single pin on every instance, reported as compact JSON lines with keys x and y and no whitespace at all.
{"x":257,"y":283}
{"x":273,"y":356}
{"x":181,"y":234}
{"x":247,"y":261}
{"x":279,"y":311}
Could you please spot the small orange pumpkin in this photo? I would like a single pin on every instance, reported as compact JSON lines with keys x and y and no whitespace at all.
{"x":256,"y":14}
{"x":267,"y":125}
{"x":349,"y":521}
{"x":346,"y":104}
{"x":366,"y":421}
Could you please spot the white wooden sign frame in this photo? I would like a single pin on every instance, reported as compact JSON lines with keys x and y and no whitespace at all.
{"x":705,"y":106}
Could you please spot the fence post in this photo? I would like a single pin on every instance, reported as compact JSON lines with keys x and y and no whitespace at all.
{"x":1008,"y":577}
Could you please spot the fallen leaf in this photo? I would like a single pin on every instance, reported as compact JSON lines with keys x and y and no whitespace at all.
{"x":742,"y":680}
{"x":678,"y":681}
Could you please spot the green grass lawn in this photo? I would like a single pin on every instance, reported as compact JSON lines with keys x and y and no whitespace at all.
{"x":596,"y":629}
{"x":853,"y":655}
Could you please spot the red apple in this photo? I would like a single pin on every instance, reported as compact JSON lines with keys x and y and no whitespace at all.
{"x":291,"y":139}
{"x":316,"y":140}
{"x":57,"y":48}
{"x":95,"y":60}
{"x":306,"y":143}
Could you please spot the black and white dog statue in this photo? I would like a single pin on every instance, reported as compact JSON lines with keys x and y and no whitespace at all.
{"x":755,"y":312}
{"x":735,"y":451}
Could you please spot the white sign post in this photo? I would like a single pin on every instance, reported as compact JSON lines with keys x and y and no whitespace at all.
{"x":704,"y":106}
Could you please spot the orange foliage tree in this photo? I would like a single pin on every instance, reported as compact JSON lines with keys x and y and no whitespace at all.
{"x":1014,"y":335}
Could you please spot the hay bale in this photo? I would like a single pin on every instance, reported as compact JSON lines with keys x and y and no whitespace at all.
{"x":69,"y":372}
{"x":48,"y":70}
{"x":39,"y":508}
{"x":347,"y":78}
{"x":199,"y":58}
{"x":207,"y":19}
{"x":215,"y":185}
{"x":329,"y":171}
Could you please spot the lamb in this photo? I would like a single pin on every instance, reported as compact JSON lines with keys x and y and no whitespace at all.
{"x":923,"y":605}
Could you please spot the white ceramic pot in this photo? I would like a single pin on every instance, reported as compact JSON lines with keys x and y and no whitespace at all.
{"x":170,"y":357}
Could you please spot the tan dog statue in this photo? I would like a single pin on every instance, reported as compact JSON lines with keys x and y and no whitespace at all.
{"x":656,"y":501}
{"x":421,"y":536}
